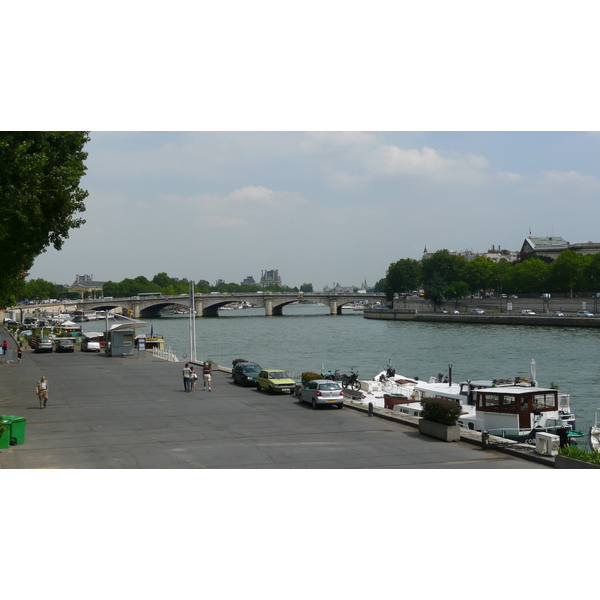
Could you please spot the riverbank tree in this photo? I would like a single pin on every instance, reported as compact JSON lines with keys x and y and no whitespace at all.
{"x":40,"y":172}
{"x":447,"y":276}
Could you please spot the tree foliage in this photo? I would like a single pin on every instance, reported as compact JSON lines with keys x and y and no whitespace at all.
{"x":40,"y":172}
{"x":401,"y":277}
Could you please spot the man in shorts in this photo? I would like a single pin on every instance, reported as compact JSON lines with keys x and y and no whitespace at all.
{"x":206,"y":375}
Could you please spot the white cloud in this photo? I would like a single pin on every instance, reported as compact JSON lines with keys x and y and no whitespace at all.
{"x":508,"y":177}
{"x":571,"y":179}
{"x":328,"y":141}
{"x":392,"y":161}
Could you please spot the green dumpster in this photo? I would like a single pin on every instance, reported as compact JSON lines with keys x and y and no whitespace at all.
{"x":5,"y":437}
{"x":17,"y":429}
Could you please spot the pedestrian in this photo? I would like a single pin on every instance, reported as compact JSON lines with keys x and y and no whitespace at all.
{"x":5,"y":347}
{"x":41,"y":389}
{"x":193,"y":378}
{"x":206,"y":375}
{"x":19,"y":353}
{"x":186,"y":377}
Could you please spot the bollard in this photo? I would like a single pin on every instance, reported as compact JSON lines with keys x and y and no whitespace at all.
{"x":485,"y":439}
{"x":370,"y":409}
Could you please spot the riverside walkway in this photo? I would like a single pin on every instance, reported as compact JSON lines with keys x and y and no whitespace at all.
{"x":132,"y":413}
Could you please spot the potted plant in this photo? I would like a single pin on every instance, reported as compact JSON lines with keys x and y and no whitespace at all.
{"x":573,"y":457}
{"x":439,"y":417}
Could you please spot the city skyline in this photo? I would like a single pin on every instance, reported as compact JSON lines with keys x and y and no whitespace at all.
{"x":319,"y":207}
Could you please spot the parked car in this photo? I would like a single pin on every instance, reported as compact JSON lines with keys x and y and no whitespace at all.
{"x":584,"y":313}
{"x":65,"y":346}
{"x":513,"y":296}
{"x":90,"y":346}
{"x":477,"y":311}
{"x":275,"y":380}
{"x":454,"y":312}
{"x":42,"y":345}
{"x":442,"y":310}
{"x":245,"y":373}
{"x":322,"y":391}
{"x":527,"y":312}
{"x":558,"y":313}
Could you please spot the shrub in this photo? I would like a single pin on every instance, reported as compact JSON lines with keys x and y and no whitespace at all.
{"x":580,"y":454}
{"x":308,"y":376}
{"x":440,"y":410}
{"x":238,"y":360}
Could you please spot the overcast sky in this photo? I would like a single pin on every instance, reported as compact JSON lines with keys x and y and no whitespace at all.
{"x":255,"y":187}
{"x":320,"y":207}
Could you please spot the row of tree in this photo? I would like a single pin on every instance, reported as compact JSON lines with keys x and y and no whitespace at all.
{"x":160,"y":283}
{"x":451,"y":277}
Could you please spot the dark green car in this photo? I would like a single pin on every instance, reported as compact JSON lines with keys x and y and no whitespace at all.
{"x":245,"y":373}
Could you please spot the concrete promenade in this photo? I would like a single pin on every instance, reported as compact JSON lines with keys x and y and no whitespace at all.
{"x":130,"y":413}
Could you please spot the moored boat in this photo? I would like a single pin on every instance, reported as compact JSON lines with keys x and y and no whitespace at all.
{"x":514,"y":408}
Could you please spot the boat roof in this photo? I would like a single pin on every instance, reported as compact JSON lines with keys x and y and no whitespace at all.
{"x":515,"y":390}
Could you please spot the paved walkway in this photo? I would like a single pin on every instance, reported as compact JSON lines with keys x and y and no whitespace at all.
{"x":132,"y":413}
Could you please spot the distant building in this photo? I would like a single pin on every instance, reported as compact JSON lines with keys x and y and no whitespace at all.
{"x":270,"y":278}
{"x":494,"y":254}
{"x":86,"y":283}
{"x":249,"y":281}
{"x":548,"y":248}
{"x":219,"y":282}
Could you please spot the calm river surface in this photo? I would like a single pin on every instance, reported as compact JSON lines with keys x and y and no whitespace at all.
{"x":308,"y":338}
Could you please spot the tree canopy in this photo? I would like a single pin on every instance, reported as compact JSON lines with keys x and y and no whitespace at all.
{"x":40,"y":172}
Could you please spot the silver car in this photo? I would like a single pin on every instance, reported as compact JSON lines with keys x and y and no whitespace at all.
{"x":322,"y":391}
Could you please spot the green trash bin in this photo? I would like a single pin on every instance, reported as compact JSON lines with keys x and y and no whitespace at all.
{"x":5,"y":437}
{"x":17,"y":429}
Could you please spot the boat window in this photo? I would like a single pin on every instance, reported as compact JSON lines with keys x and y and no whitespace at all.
{"x":541,"y":401}
{"x":492,"y":401}
{"x":508,"y":403}
{"x":524,"y":404}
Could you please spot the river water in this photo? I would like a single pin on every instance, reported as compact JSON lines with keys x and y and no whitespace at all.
{"x":308,"y":338}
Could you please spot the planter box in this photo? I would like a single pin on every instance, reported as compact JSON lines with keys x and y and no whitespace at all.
{"x":563,"y":462}
{"x":447,"y":433}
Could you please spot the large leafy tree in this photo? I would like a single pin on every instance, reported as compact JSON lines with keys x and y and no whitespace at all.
{"x":440,"y":271}
{"x":40,"y":198}
{"x":478,"y":273}
{"x":402,"y":276}
{"x":567,"y":271}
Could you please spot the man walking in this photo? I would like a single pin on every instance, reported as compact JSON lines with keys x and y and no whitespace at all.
{"x":206,"y":375}
{"x":186,"y":377}
{"x":41,"y":389}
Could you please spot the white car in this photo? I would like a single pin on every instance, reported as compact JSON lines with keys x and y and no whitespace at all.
{"x":584,"y":313}
{"x":477,"y":311}
{"x":90,"y":346}
{"x":527,"y":312}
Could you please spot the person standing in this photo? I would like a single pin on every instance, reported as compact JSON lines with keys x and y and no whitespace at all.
{"x":206,"y":375}
{"x":19,"y":353}
{"x":193,"y":379}
{"x":41,"y":389}
{"x":5,"y":347}
{"x":186,"y":377}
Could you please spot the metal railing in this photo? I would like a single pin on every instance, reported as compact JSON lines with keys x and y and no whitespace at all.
{"x":168,"y":355}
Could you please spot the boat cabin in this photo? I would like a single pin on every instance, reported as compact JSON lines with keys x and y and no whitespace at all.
{"x":516,"y":400}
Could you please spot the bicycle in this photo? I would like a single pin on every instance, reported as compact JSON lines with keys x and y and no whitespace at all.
{"x":387,"y":385}
{"x":351,"y":381}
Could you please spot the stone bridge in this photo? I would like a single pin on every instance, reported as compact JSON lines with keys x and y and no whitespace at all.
{"x":207,"y":305}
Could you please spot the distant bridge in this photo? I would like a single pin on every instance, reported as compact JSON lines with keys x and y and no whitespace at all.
{"x":207,"y":305}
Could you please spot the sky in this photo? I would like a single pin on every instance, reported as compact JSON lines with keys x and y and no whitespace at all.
{"x":322,"y":139}
{"x":321,"y":207}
